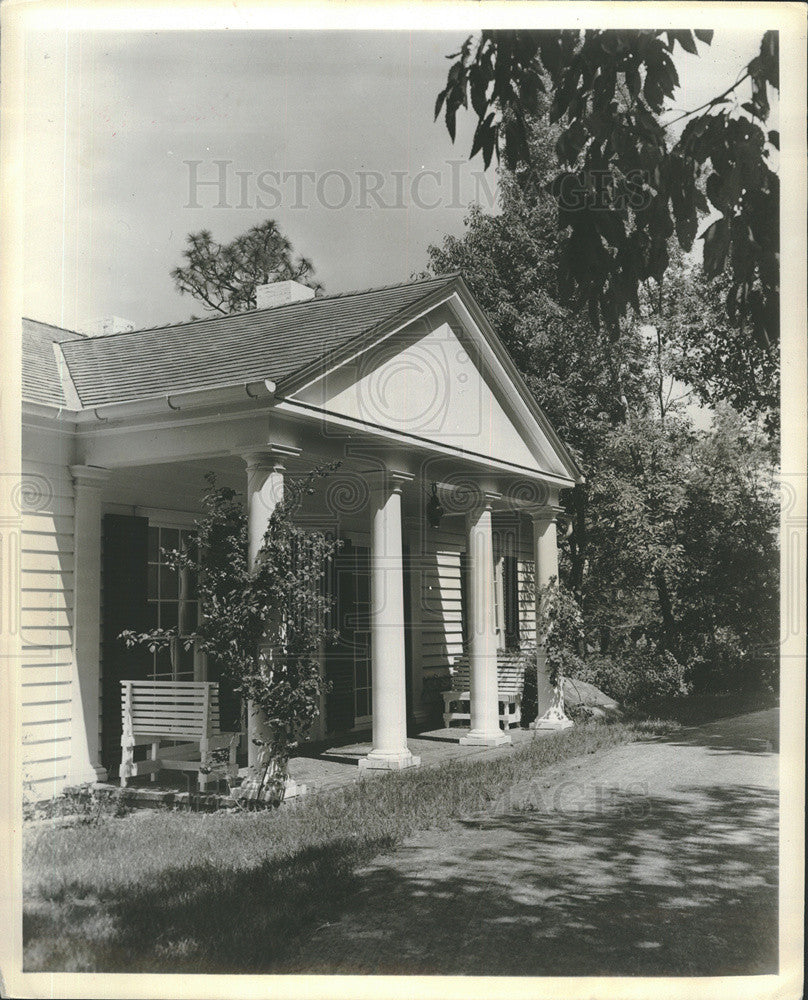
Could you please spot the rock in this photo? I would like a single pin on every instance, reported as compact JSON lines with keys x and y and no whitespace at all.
{"x":586,"y":695}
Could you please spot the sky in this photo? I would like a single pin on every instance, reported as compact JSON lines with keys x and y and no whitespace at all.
{"x":135,"y":139}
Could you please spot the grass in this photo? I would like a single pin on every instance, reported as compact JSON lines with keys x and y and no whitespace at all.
{"x":698,"y":709}
{"x":179,"y":892}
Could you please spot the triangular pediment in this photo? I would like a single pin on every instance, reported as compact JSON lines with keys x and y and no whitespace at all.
{"x":437,"y":380}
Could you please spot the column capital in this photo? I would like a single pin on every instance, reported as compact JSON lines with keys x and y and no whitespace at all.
{"x":548,"y":513}
{"x":392,"y":479}
{"x":89,"y":475}
{"x":269,"y":456}
{"x":484,"y":501}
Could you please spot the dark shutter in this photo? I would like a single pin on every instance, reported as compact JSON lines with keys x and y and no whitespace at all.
{"x":510,"y":589}
{"x":124,"y":607}
{"x":407,"y":583}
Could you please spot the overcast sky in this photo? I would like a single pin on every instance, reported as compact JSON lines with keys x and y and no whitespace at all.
{"x":329,"y":133}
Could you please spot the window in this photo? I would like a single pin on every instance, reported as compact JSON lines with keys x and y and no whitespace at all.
{"x":173,"y":602}
{"x":506,"y":590}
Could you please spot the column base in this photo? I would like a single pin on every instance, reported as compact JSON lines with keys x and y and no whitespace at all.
{"x":479,"y":738}
{"x":553,"y":721}
{"x":382,"y":761}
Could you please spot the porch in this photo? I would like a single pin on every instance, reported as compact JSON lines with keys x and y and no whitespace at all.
{"x":326,"y":770}
{"x":425,"y":596}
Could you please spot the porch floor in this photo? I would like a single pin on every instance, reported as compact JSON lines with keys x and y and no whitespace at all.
{"x":339,"y":765}
{"x":324,"y":770}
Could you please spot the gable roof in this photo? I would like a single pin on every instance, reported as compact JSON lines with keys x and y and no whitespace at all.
{"x":284,"y":344}
{"x":242,"y":347}
{"x":41,"y":379}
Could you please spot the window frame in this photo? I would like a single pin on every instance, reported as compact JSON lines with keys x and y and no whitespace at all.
{"x":184,"y":526}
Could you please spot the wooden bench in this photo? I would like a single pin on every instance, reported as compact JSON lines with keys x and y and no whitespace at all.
{"x":510,"y":681}
{"x":186,"y":712}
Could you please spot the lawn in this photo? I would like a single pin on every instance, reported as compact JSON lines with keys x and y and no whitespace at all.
{"x":233,"y":892}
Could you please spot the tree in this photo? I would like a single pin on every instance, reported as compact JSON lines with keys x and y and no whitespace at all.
{"x":719,"y":363}
{"x":224,"y":277}
{"x":586,"y":382}
{"x":623,"y":188}
{"x":262,"y":624}
{"x":641,"y":546}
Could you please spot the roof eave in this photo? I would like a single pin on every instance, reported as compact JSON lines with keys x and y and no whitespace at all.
{"x":260,"y":392}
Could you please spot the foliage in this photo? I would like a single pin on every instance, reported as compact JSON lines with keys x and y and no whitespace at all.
{"x":671,"y":539}
{"x":560,"y":632}
{"x":623,"y":188}
{"x":263,"y":624}
{"x":637,"y":673}
{"x":224,"y":276}
{"x":718,"y":362}
{"x":683,"y":548}
{"x":80,"y":804}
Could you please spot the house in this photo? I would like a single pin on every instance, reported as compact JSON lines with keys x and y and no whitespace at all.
{"x":445,"y":498}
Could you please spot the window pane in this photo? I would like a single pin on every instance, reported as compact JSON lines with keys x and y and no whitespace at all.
{"x":169,"y":583}
{"x":361,"y":703}
{"x":185,"y":663}
{"x":169,"y":538}
{"x":152,"y":584}
{"x":188,"y":617}
{"x":168,"y":614}
{"x":163,"y":665}
{"x":188,"y":542}
{"x":153,"y":615}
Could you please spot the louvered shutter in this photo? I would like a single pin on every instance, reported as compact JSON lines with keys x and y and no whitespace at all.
{"x":124,"y":606}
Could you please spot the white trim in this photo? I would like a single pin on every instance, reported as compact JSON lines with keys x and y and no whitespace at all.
{"x":313,"y":413}
{"x":72,"y":399}
{"x":498,"y":361}
{"x":163,"y":517}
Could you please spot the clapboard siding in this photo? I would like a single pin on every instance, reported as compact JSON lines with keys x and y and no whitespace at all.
{"x":46,"y":606}
{"x":441,"y":601}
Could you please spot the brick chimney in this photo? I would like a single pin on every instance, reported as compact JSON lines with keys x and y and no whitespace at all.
{"x":280,"y":293}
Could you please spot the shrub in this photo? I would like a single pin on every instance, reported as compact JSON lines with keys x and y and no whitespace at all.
{"x":561,"y":634}
{"x":635,"y":674}
{"x":724,"y":662}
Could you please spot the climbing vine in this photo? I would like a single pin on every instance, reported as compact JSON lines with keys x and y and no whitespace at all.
{"x":262,"y":624}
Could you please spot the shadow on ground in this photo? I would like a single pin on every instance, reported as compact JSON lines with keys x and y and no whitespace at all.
{"x":599,"y":882}
{"x":646,"y":886}
{"x":733,"y":736}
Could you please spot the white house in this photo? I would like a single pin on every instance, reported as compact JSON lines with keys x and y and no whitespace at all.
{"x":407,"y":386}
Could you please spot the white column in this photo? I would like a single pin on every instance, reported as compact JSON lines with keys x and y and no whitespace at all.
{"x":85,"y":758}
{"x":482,"y":641}
{"x":265,"y":473}
{"x":388,"y":661}
{"x":551,"y":713}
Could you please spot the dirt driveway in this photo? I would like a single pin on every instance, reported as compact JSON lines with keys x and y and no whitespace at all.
{"x":656,"y":858}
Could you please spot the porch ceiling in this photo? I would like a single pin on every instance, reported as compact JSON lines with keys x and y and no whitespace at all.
{"x":344,"y":495}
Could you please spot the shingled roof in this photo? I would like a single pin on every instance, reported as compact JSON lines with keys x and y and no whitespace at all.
{"x":243,"y":347}
{"x":41,"y":380}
